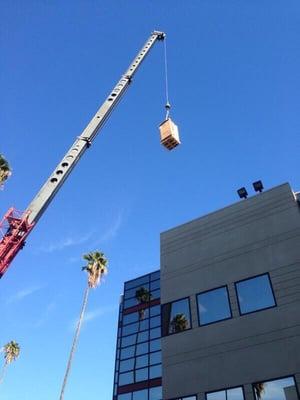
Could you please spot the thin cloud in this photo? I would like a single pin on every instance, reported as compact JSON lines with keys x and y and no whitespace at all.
{"x":23,"y":293}
{"x":64,"y":243}
{"x":92,"y":315}
{"x":112,"y":230}
{"x":49,"y":309}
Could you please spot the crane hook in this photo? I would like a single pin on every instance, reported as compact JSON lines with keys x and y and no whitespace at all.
{"x":167,"y":107}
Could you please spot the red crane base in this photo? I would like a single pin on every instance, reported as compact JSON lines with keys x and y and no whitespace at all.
{"x":14,"y":229}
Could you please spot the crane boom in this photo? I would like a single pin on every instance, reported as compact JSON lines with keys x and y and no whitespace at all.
{"x":19,"y":225}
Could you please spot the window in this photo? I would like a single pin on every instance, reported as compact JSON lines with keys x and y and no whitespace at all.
{"x":213,"y":306}
{"x":176,"y":317}
{"x":126,"y":378}
{"x":155,"y":358}
{"x":229,"y":394}
{"x":155,"y":310}
{"x":279,"y":389}
{"x":155,"y":345}
{"x":140,"y":395}
{"x":137,"y":282}
{"x":155,"y":371}
{"x":255,"y":294}
{"x":155,"y":393}
{"x":141,"y":374}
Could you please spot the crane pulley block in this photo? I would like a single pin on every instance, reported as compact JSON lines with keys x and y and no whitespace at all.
{"x":169,"y":135}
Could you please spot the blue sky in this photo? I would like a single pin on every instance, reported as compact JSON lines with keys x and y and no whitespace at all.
{"x":234,"y":74}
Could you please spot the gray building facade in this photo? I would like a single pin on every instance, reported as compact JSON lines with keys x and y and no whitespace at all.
{"x":231,"y":302}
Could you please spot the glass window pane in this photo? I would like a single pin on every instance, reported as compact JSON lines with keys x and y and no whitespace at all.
{"x":235,"y":394}
{"x":155,"y":275}
{"x":144,"y":324}
{"x":155,"y":294}
{"x":176,"y":317}
{"x":126,"y":365}
{"x":155,"y":372}
{"x":155,"y":333}
{"x":213,"y":306}
{"x":155,"y":393}
{"x":129,"y":318}
{"x":141,"y":374}
{"x":155,"y":345}
{"x":155,"y":285}
{"x":137,"y":282}
{"x":130,"y":302}
{"x":128,"y":340}
{"x":129,"y":293}
{"x":140,"y":395}
{"x":155,"y":358}
{"x":143,"y":336}
{"x":141,"y":361}
{"x":129,"y":329}
{"x":220,"y":395}
{"x":155,"y":321}
{"x":255,"y":294}
{"x":126,"y":378}
{"x":126,"y":396}
{"x":279,"y":389}
{"x":127,"y":352}
{"x":229,"y":394}
{"x":155,"y":310}
{"x":142,"y":348}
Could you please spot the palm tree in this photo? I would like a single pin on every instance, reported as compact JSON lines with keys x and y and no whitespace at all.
{"x":96,"y":268}
{"x":5,"y":170}
{"x":259,"y":389}
{"x":11,"y":353}
{"x":143,"y":296}
{"x":179,"y":323}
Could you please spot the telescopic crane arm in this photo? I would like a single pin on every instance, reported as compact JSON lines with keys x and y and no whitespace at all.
{"x":18,"y":226}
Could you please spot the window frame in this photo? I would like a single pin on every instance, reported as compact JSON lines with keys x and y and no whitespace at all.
{"x":276,"y":379}
{"x":219,"y":320}
{"x":184,"y":397}
{"x":162,"y":317}
{"x":226,"y":389}
{"x":247,"y":279}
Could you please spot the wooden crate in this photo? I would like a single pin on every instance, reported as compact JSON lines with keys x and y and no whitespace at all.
{"x":169,"y":136}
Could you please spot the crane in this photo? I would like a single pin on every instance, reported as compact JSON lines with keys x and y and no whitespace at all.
{"x":16,"y":226}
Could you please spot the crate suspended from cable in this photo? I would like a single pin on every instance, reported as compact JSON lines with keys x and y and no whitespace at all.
{"x":169,"y":135}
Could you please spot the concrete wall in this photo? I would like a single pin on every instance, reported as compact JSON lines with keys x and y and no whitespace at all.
{"x":254,"y":236}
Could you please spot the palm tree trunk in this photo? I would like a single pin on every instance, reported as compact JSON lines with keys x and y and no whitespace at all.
{"x":3,"y":372}
{"x":74,"y":344}
{"x":135,"y":348}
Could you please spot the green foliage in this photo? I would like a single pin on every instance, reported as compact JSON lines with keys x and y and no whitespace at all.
{"x":96,"y":267}
{"x":5,"y":170}
{"x":179,"y":323}
{"x":11,"y":351}
{"x":143,"y":296}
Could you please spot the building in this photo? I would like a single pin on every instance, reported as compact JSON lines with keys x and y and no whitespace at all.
{"x":138,"y":355}
{"x":231,"y":303}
